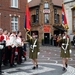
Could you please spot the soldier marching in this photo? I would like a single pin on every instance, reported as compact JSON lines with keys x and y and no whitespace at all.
{"x":65,"y":49}
{"x":11,"y":48}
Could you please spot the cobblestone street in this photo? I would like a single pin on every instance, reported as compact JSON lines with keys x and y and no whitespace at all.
{"x":52,"y":55}
{"x":49,"y":64}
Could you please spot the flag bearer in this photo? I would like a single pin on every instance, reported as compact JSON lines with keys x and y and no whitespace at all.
{"x":34,"y":50}
{"x":65,"y":50}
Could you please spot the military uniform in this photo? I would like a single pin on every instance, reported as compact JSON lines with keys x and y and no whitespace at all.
{"x":1,"y":48}
{"x":65,"y":47}
{"x":8,"y":48}
{"x":13,"y":45}
{"x":5,"y":51}
{"x":33,"y":51}
{"x":19,"y":49}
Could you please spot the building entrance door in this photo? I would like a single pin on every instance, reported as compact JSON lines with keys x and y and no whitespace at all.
{"x":46,"y":38}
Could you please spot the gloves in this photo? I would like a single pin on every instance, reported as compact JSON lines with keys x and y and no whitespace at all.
{"x":70,"y":51}
{"x":38,"y":53}
{"x":1,"y":46}
{"x":16,"y":53}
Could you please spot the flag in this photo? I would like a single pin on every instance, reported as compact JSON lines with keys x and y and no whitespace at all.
{"x":27,"y":18}
{"x":64,"y":19}
{"x":27,"y":21}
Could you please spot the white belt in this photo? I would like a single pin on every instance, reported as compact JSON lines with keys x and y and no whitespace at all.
{"x":1,"y":46}
{"x":64,"y":44}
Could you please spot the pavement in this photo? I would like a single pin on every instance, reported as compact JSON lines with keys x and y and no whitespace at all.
{"x":49,"y":62}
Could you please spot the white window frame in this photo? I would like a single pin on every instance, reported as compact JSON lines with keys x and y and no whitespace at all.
{"x":14,"y":3}
{"x":13,"y":23}
{"x":46,"y":17}
{"x":46,"y":5}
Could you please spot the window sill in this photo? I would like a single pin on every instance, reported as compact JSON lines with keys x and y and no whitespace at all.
{"x":32,"y":24}
{"x":57,"y":23}
{"x":46,"y":8}
{"x":14,"y":7}
{"x":46,"y":23}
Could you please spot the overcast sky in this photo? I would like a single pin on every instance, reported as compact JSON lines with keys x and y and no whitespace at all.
{"x":29,"y":0}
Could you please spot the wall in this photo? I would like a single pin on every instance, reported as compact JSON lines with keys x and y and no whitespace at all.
{"x":7,"y":11}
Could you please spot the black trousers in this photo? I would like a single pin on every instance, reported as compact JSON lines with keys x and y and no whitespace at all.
{"x":8,"y":53}
{"x":12,"y":55}
{"x":5,"y":55}
{"x":0,"y":58}
{"x":19,"y":58}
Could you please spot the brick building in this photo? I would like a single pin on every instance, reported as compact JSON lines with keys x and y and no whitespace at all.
{"x":46,"y":18}
{"x":12,"y":14}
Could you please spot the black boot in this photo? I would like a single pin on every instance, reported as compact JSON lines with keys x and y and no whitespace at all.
{"x":34,"y":68}
{"x":1,"y":72}
{"x":64,"y":69}
{"x":66,"y":65}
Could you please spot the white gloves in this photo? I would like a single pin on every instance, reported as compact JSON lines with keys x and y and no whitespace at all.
{"x":16,"y":53}
{"x":64,"y":37}
{"x":38,"y":53}
{"x":1,"y":46}
{"x":70,"y":51}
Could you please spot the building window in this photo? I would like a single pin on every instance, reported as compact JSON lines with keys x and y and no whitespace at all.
{"x":73,"y":19}
{"x":56,"y":16}
{"x":46,"y":18}
{"x":14,"y":3}
{"x":46,"y":5}
{"x":33,"y":18}
{"x":14,"y":23}
{"x":37,"y":15}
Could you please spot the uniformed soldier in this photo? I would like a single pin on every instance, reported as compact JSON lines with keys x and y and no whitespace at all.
{"x":13,"y":45}
{"x":5,"y":52}
{"x":19,"y":47}
{"x":1,"y":48}
{"x":34,"y":50}
{"x":8,"y":48}
{"x":65,"y":50}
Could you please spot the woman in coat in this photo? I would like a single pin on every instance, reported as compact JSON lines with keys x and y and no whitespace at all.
{"x":65,"y":50}
{"x":34,"y":50}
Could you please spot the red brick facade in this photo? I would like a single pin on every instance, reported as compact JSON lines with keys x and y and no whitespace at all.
{"x":6,"y":11}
